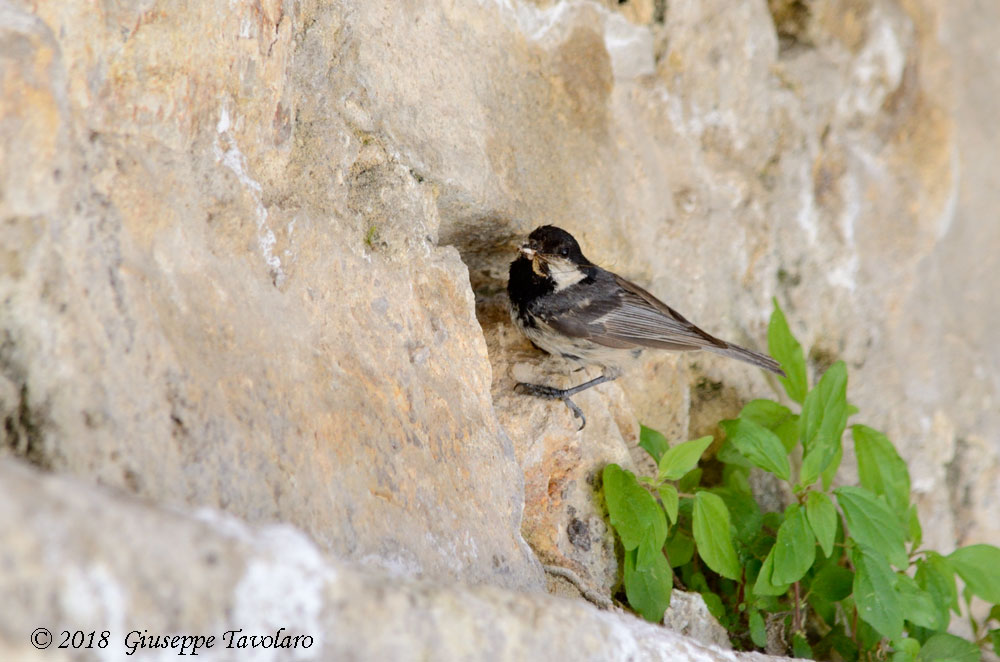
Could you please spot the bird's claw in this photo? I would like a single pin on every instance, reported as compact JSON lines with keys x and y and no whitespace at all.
{"x":552,"y":393}
{"x":576,"y":412}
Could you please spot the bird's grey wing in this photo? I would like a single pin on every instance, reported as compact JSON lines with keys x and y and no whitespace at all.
{"x":577,"y":321}
{"x":628,"y":316}
{"x":651,"y":322}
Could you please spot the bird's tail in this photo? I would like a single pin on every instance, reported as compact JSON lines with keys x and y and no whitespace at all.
{"x":748,"y":356}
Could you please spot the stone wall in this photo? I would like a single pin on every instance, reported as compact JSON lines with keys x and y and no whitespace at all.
{"x":252,"y":260}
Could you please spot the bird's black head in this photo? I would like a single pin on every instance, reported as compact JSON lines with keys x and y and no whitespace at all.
{"x":549,"y":242}
{"x":549,"y":261}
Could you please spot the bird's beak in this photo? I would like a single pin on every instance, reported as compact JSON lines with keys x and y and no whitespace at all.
{"x":527,"y":251}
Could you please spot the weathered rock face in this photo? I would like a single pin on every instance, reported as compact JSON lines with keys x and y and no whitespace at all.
{"x":237,"y":241}
{"x":77,"y":558}
{"x":202,"y":305}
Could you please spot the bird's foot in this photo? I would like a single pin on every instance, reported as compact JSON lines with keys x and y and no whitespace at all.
{"x":540,"y":391}
{"x":552,"y":393}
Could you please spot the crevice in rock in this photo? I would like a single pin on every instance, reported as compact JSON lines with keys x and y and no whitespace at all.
{"x":487,"y":252}
{"x":22,"y":424}
{"x":822,"y":358}
{"x":959,"y":498}
{"x":22,"y":430}
{"x":660,"y":12}
{"x":791,"y":22}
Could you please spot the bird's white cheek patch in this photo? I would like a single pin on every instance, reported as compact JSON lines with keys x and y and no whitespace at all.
{"x":564,"y":273}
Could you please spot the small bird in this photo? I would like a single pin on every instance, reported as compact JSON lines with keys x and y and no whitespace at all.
{"x":569,"y":307}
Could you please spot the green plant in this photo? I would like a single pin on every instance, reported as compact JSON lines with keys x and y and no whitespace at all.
{"x":840,"y":574}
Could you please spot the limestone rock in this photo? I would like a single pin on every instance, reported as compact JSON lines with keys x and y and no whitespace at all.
{"x":565,"y":518}
{"x":76,"y":557}
{"x":213,"y":292}
{"x":689,"y":615}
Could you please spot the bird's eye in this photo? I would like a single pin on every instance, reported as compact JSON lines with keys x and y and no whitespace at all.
{"x":564,"y":251}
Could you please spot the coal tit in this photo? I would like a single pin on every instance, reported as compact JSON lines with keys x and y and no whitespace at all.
{"x":569,"y":307}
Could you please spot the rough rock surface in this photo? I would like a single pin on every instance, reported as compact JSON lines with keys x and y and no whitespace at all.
{"x":204,"y":306}
{"x":252,"y":254}
{"x":565,"y":521}
{"x":78,"y":558}
{"x":689,"y":615}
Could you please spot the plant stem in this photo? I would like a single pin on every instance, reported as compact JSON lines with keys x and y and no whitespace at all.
{"x":796,"y":615}
{"x":854,"y":628}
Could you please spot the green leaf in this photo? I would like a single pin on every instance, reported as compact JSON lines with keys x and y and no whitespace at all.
{"x":788,"y":433}
{"x":788,"y":352}
{"x":736,"y":479}
{"x":844,"y":646}
{"x":714,"y":605}
{"x":653,"y":442}
{"x":832,"y":466}
{"x":824,"y":417}
{"x":833,"y":583}
{"x":824,"y":609}
{"x":668,"y":495}
{"x":823,"y":519}
{"x":758,"y":632}
{"x":914,"y":531}
{"x":800,"y":647}
{"x":906,"y":650}
{"x":812,"y":464}
{"x":691,"y":480}
{"x":995,"y":640}
{"x":759,"y":445}
{"x":795,"y":548}
{"x":679,"y":548}
{"x":772,"y":521}
{"x":764,"y":585}
{"x":944,"y":646}
{"x":729,"y":455}
{"x":870,"y":522}
{"x":881,"y":469}
{"x":918,"y":605}
{"x":695,"y":579}
{"x":874,"y":595}
{"x":937,"y":577}
{"x":648,"y":582}
{"x":744,"y":512}
{"x":766,"y":413}
{"x":820,"y":461}
{"x":711,"y":533}
{"x":682,"y":458}
{"x":777,"y":418}
{"x":824,"y":411}
{"x":867,"y":636}
{"x":979,"y":568}
{"x":633,"y":511}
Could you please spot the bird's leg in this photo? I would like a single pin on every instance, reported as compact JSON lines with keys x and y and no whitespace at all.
{"x":552,"y":393}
